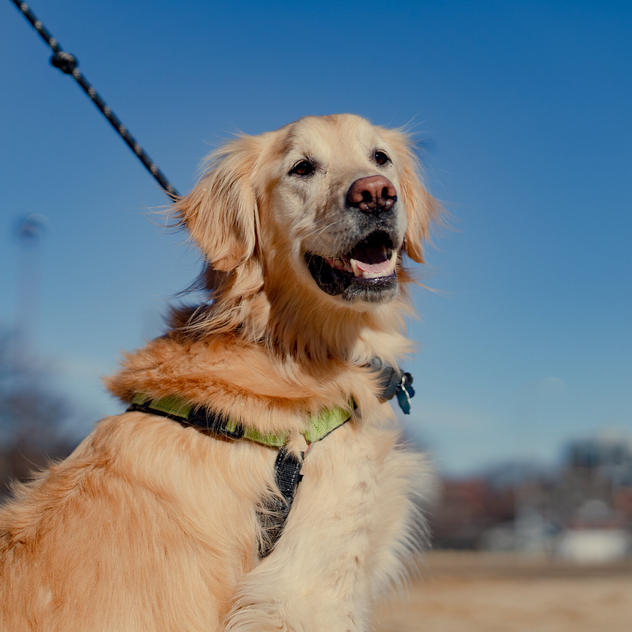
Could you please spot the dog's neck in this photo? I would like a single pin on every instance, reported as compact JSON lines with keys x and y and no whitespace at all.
{"x":293,"y":329}
{"x":341,"y":334}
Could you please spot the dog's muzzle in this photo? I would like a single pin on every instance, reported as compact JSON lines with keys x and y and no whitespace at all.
{"x":367,"y":270}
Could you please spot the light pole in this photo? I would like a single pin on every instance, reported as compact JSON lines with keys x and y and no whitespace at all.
{"x":30,"y":229}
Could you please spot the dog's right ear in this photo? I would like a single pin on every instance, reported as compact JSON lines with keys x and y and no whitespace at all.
{"x":220,"y":212}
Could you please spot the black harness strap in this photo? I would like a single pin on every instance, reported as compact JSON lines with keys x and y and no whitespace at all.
{"x":274,"y":511}
{"x":205,"y":420}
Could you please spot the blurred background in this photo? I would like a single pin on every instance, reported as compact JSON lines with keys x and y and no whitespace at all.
{"x":522,"y":114}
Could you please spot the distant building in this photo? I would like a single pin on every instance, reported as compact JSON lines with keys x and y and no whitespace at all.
{"x":581,"y":511}
{"x":610,"y":458}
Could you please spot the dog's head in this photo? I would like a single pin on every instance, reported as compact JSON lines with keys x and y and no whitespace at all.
{"x":329,"y":204}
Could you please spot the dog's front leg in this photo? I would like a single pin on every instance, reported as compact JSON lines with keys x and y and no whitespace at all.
{"x":290,"y":593}
{"x":340,"y":545}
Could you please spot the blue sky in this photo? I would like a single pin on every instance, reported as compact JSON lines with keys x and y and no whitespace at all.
{"x":523,"y":109}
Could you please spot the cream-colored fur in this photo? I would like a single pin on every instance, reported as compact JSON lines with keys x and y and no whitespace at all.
{"x":150,"y":526}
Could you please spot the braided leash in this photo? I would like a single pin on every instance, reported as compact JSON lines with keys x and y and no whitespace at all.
{"x":68,"y":63}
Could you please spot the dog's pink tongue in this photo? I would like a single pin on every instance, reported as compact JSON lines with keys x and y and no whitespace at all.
{"x":375,"y":268}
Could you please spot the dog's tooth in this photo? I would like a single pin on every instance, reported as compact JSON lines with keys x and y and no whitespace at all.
{"x":337,"y":263}
{"x":393,"y":262}
{"x":354,"y":267}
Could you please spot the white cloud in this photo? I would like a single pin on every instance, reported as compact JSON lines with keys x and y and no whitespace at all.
{"x":552,"y":386}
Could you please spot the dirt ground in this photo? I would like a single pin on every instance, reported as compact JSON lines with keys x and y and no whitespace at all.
{"x":474,"y":592}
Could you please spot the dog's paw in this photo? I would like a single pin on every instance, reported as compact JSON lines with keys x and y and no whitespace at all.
{"x":290,"y":615}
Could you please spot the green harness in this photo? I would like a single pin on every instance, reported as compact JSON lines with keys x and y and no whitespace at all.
{"x":318,"y":427}
{"x":274,"y":510}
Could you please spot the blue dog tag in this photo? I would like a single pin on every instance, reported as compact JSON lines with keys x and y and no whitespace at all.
{"x":404,"y":392}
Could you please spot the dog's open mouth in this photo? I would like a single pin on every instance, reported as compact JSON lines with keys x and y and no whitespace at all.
{"x":367,"y":271}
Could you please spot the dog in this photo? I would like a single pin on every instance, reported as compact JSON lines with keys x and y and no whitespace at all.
{"x":257,"y":480}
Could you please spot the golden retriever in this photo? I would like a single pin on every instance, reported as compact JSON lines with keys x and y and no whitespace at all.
{"x":153,"y":525}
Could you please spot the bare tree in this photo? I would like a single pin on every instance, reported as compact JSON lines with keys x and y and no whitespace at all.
{"x":31,"y":415}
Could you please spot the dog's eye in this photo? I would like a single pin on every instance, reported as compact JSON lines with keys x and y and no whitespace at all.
{"x":303,"y":168}
{"x":381,"y":158}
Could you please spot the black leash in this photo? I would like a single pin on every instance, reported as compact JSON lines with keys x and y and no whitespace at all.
{"x":68,"y":63}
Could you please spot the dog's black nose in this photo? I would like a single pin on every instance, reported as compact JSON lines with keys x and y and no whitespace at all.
{"x":374,"y":194}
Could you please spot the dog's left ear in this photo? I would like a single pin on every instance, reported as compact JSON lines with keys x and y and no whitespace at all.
{"x":220,"y":212}
{"x":421,"y":207}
